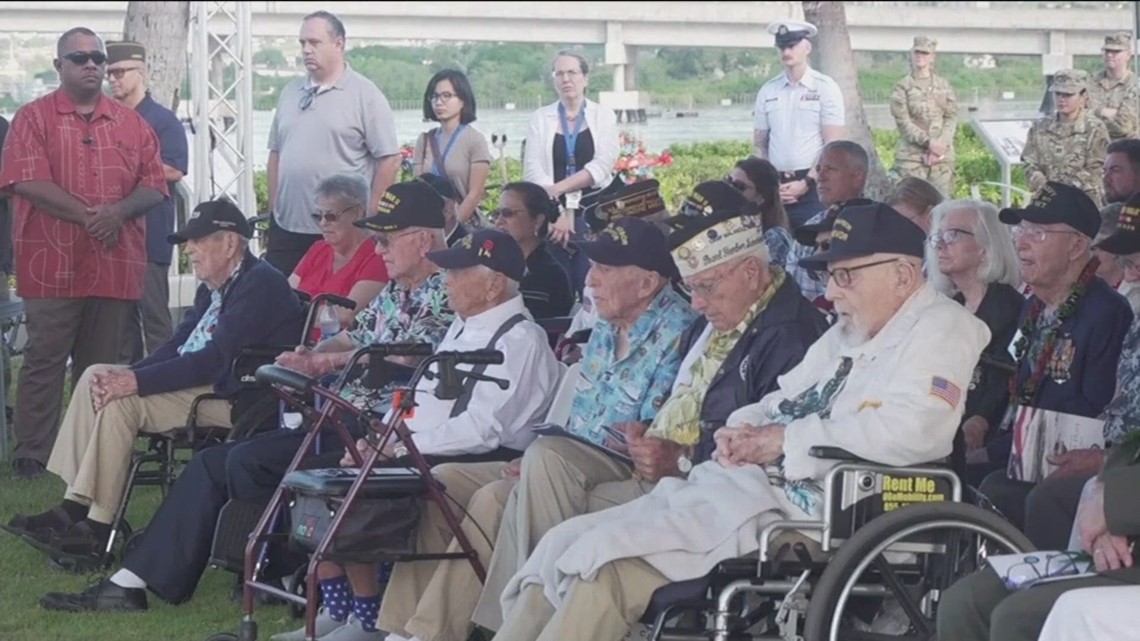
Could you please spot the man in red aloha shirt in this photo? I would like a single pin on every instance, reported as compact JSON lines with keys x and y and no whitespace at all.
{"x":82,"y":172}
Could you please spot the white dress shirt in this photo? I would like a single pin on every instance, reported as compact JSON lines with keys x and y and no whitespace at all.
{"x":538,"y":159}
{"x":794,"y":115}
{"x":494,"y":418}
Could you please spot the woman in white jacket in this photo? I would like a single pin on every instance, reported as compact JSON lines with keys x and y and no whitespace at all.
{"x":571,"y":147}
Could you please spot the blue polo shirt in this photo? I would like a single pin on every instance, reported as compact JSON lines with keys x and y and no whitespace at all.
{"x":174,"y":148}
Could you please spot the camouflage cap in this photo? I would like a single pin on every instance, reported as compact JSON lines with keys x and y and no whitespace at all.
{"x":1119,"y":41}
{"x":924,"y":44}
{"x":1069,"y":81}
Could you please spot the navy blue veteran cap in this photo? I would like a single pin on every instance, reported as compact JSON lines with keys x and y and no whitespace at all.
{"x":806,"y":234}
{"x":490,"y":248}
{"x":1057,"y":203}
{"x":631,"y":241}
{"x":404,"y":205}
{"x":712,"y":200}
{"x":209,"y":217}
{"x":1126,"y":239}
{"x":865,"y":230}
{"x":619,"y":200}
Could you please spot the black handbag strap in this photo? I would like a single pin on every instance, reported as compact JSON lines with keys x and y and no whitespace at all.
{"x":469,"y":386}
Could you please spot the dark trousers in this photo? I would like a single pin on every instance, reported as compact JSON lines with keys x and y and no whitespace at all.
{"x":1045,"y":511}
{"x":148,"y":326}
{"x":571,"y":258}
{"x":284,"y":249}
{"x":86,"y":330}
{"x":175,"y":547}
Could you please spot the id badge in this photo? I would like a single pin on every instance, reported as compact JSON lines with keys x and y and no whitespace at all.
{"x":573,"y":199}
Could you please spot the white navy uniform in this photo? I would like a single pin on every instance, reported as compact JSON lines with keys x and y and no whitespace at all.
{"x":794,"y":115}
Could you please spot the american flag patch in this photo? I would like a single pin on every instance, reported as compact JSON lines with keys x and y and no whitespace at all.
{"x":945,"y":390}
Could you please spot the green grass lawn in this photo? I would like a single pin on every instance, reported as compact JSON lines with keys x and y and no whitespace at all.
{"x":25,"y":576}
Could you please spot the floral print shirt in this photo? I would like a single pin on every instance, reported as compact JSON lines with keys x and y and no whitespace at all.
{"x":633,"y":388}
{"x":398,"y":315}
{"x":1122,"y":416}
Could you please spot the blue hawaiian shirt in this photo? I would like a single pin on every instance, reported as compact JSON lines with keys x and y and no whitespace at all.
{"x":635,"y":387}
{"x":398,"y":315}
{"x":204,"y":330}
{"x":779,"y":242}
{"x":1122,"y":416}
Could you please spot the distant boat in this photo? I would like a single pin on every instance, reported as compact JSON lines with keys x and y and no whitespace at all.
{"x":510,"y":106}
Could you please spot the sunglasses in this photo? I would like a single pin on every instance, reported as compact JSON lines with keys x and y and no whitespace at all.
{"x":83,"y":57}
{"x":330,"y":216}
{"x":504,"y":212}
{"x":736,"y":184}
{"x":118,"y":74}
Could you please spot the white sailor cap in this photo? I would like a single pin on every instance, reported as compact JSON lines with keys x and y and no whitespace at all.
{"x":789,"y":32}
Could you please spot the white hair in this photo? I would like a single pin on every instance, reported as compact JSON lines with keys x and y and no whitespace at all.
{"x":999,"y":264}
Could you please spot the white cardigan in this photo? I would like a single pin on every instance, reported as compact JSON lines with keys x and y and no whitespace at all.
{"x":538,"y":160}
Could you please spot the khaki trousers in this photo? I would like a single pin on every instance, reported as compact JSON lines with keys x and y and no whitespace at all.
{"x":93,"y":450}
{"x":433,"y":600}
{"x":600,"y":610}
{"x":560,"y":479}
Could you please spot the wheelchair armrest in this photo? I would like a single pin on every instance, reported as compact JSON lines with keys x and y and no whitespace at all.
{"x":836,"y":453}
{"x":840,"y":454}
{"x":192,"y":417}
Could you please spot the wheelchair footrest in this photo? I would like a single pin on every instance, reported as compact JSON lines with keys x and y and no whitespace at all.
{"x":236,"y":522}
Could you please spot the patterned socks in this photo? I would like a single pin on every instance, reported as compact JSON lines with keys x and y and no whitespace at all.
{"x":337,"y":598}
{"x":367,"y":610}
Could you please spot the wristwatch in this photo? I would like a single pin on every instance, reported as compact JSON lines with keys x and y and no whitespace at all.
{"x":684,"y":464}
{"x":400,"y":451}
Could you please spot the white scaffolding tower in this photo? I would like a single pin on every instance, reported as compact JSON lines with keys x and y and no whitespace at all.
{"x":221,"y":86}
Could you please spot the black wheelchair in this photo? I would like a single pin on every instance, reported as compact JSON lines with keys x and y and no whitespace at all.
{"x":890,"y":542}
{"x":253,"y":409}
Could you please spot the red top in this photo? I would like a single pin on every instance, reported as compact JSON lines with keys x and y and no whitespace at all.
{"x":316,"y":269}
{"x":99,"y":161}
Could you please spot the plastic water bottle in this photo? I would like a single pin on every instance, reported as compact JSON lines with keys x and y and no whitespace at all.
{"x":328,"y":323}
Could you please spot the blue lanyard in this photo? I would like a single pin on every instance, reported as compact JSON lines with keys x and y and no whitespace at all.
{"x":438,"y":164}
{"x":571,"y":138}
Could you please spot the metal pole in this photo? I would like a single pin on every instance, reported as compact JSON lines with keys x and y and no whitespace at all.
{"x":200,"y":88}
{"x":247,"y":200}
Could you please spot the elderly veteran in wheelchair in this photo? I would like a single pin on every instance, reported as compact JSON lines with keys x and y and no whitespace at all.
{"x":885,"y":383}
{"x":413,"y":307}
{"x":626,"y":373}
{"x":755,"y":326}
{"x":242,"y":301}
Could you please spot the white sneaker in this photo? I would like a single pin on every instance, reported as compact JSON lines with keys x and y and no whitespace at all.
{"x":325,"y":625}
{"x":352,"y":631}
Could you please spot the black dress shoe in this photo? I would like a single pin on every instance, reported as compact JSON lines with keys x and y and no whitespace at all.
{"x":103,"y":596}
{"x":48,"y":524}
{"x":28,"y":469}
{"x":77,"y":540}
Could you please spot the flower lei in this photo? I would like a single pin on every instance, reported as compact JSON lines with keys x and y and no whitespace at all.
{"x":1028,"y":391}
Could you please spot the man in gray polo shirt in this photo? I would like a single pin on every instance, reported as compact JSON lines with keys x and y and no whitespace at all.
{"x":332,"y":120}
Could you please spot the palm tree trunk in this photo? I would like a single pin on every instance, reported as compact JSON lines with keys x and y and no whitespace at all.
{"x":163,"y":28}
{"x":832,"y":55}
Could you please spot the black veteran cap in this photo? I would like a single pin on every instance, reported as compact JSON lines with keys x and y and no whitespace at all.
{"x":619,"y":200}
{"x":1126,"y":239}
{"x":711,"y":202}
{"x":123,"y":51}
{"x":490,"y":248}
{"x":1057,"y":203}
{"x":789,"y":32}
{"x":864,"y":230}
{"x":441,"y":185}
{"x":404,"y":205}
{"x":209,"y":217}
{"x":631,"y":241}
{"x":806,"y":235}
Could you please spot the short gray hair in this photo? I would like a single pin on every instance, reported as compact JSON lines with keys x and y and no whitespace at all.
{"x":853,"y":150}
{"x":350,"y":188}
{"x":1000,"y":262}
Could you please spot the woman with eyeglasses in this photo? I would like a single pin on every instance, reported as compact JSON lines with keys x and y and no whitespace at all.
{"x":571,"y":148}
{"x":525,"y":209}
{"x":454,"y":150}
{"x":970,"y":257}
{"x":759,"y":181}
{"x":344,"y":260}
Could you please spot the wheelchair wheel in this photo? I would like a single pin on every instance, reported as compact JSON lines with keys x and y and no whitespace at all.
{"x":130,"y":542}
{"x":866,"y":595}
{"x":300,"y":587}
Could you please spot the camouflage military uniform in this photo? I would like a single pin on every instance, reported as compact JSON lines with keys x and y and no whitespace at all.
{"x":924,"y":109}
{"x":1070,"y":152}
{"x":1121,"y":95}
